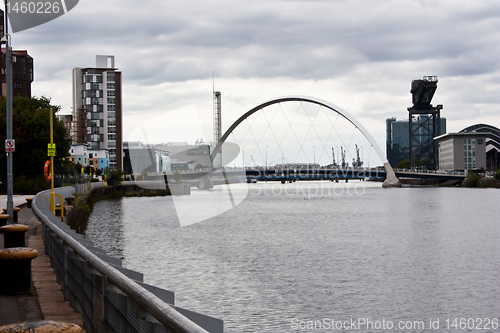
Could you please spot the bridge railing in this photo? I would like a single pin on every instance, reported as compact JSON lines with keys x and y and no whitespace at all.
{"x":442,"y":172}
{"x":110,"y":298}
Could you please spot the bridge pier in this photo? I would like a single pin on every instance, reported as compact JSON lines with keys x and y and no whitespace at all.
{"x":391,"y":180}
{"x":205,"y":183}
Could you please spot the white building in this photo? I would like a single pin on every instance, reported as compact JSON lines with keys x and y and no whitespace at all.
{"x":462,"y":151}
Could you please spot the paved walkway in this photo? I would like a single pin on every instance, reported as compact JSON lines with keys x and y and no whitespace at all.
{"x":48,"y":303}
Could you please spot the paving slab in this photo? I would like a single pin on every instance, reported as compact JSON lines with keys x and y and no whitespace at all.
{"x":49,"y":302}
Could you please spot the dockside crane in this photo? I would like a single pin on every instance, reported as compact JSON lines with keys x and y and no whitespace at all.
{"x":342,"y":153}
{"x":334,"y":162}
{"x":357,"y":163}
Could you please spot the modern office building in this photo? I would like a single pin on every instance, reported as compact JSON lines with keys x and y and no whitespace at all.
{"x":492,"y":143}
{"x":166,"y":157}
{"x":398,"y":139}
{"x":462,"y":151}
{"x":97,"y":108}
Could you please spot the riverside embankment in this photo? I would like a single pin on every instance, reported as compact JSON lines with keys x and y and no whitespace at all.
{"x":108,"y":296}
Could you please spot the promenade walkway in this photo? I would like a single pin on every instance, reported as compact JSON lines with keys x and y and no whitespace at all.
{"x":48,"y":301}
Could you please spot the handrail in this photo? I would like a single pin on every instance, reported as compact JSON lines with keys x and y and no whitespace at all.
{"x":161,"y":311}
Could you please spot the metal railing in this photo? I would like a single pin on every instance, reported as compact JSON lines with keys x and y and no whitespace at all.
{"x":105,"y":293}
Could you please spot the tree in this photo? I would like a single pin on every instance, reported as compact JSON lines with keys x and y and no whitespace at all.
{"x":31,"y":131}
{"x":177,"y":176}
{"x":472,"y":180}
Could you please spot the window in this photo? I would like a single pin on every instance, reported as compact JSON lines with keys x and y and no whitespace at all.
{"x":18,"y":85}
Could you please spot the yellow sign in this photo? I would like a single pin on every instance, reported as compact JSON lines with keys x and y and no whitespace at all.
{"x":51,"y":149}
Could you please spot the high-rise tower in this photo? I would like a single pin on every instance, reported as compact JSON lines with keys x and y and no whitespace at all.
{"x":97,"y":108}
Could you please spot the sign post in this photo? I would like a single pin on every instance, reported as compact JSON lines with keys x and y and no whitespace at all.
{"x":8,"y":118}
{"x":51,"y":151}
{"x":10,"y":145}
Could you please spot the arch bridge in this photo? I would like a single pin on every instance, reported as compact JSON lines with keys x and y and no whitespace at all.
{"x":391,"y":179}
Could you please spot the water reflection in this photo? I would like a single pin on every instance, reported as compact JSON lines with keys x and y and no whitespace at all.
{"x":398,"y":254}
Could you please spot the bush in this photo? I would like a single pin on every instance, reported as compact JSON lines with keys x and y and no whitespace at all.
{"x":114,"y":177}
{"x":497,"y":175}
{"x":25,"y":185}
{"x":472,"y":180}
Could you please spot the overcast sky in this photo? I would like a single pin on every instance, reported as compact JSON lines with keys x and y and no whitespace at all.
{"x":359,"y":55}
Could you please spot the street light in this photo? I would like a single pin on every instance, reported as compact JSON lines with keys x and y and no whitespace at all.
{"x":314,"y":157}
{"x":266,"y":157}
{"x":243,"y":155}
{"x":8,"y":77}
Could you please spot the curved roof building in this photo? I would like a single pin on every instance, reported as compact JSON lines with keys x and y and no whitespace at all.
{"x":492,"y":143}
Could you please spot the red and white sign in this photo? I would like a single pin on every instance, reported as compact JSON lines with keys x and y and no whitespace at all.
{"x":10,"y":145}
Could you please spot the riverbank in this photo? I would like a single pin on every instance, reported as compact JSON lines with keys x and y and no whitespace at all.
{"x":80,"y":208}
{"x":476,"y":180}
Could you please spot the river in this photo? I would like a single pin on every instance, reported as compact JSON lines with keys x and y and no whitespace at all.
{"x":320,"y":255}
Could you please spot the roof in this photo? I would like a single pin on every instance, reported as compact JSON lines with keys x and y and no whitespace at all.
{"x":443,"y":136}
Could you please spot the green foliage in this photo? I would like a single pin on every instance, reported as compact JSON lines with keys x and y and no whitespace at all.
{"x":177,"y":176}
{"x":31,"y":130}
{"x":89,"y":169}
{"x":472,"y":180}
{"x":114,"y":177}
{"x":25,"y":185}
{"x":497,"y":175}
{"x":404,"y":164}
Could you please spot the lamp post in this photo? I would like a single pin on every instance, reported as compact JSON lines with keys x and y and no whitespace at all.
{"x":266,"y":157}
{"x":243,"y":156}
{"x":8,"y":76}
{"x":314,"y":157}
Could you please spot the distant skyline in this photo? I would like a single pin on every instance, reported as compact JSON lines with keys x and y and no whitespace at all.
{"x":359,"y":55}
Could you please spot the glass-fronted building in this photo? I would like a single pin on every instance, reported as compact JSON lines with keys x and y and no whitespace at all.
{"x":398,"y":139}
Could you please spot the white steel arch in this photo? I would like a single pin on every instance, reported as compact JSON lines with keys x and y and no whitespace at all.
{"x":391,"y":180}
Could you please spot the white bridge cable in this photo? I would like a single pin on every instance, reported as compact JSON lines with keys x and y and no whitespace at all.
{"x":305,"y":137}
{"x":261,"y":132}
{"x":327,"y":139}
{"x":272,"y":132}
{"x":290,"y":127}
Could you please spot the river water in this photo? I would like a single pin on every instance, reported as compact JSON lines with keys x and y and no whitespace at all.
{"x":320,"y":255}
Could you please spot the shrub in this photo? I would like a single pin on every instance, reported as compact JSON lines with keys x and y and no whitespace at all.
{"x":472,"y":180}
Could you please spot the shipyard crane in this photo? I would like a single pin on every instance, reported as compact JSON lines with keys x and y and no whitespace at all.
{"x":357,"y":163}
{"x":342,"y":153}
